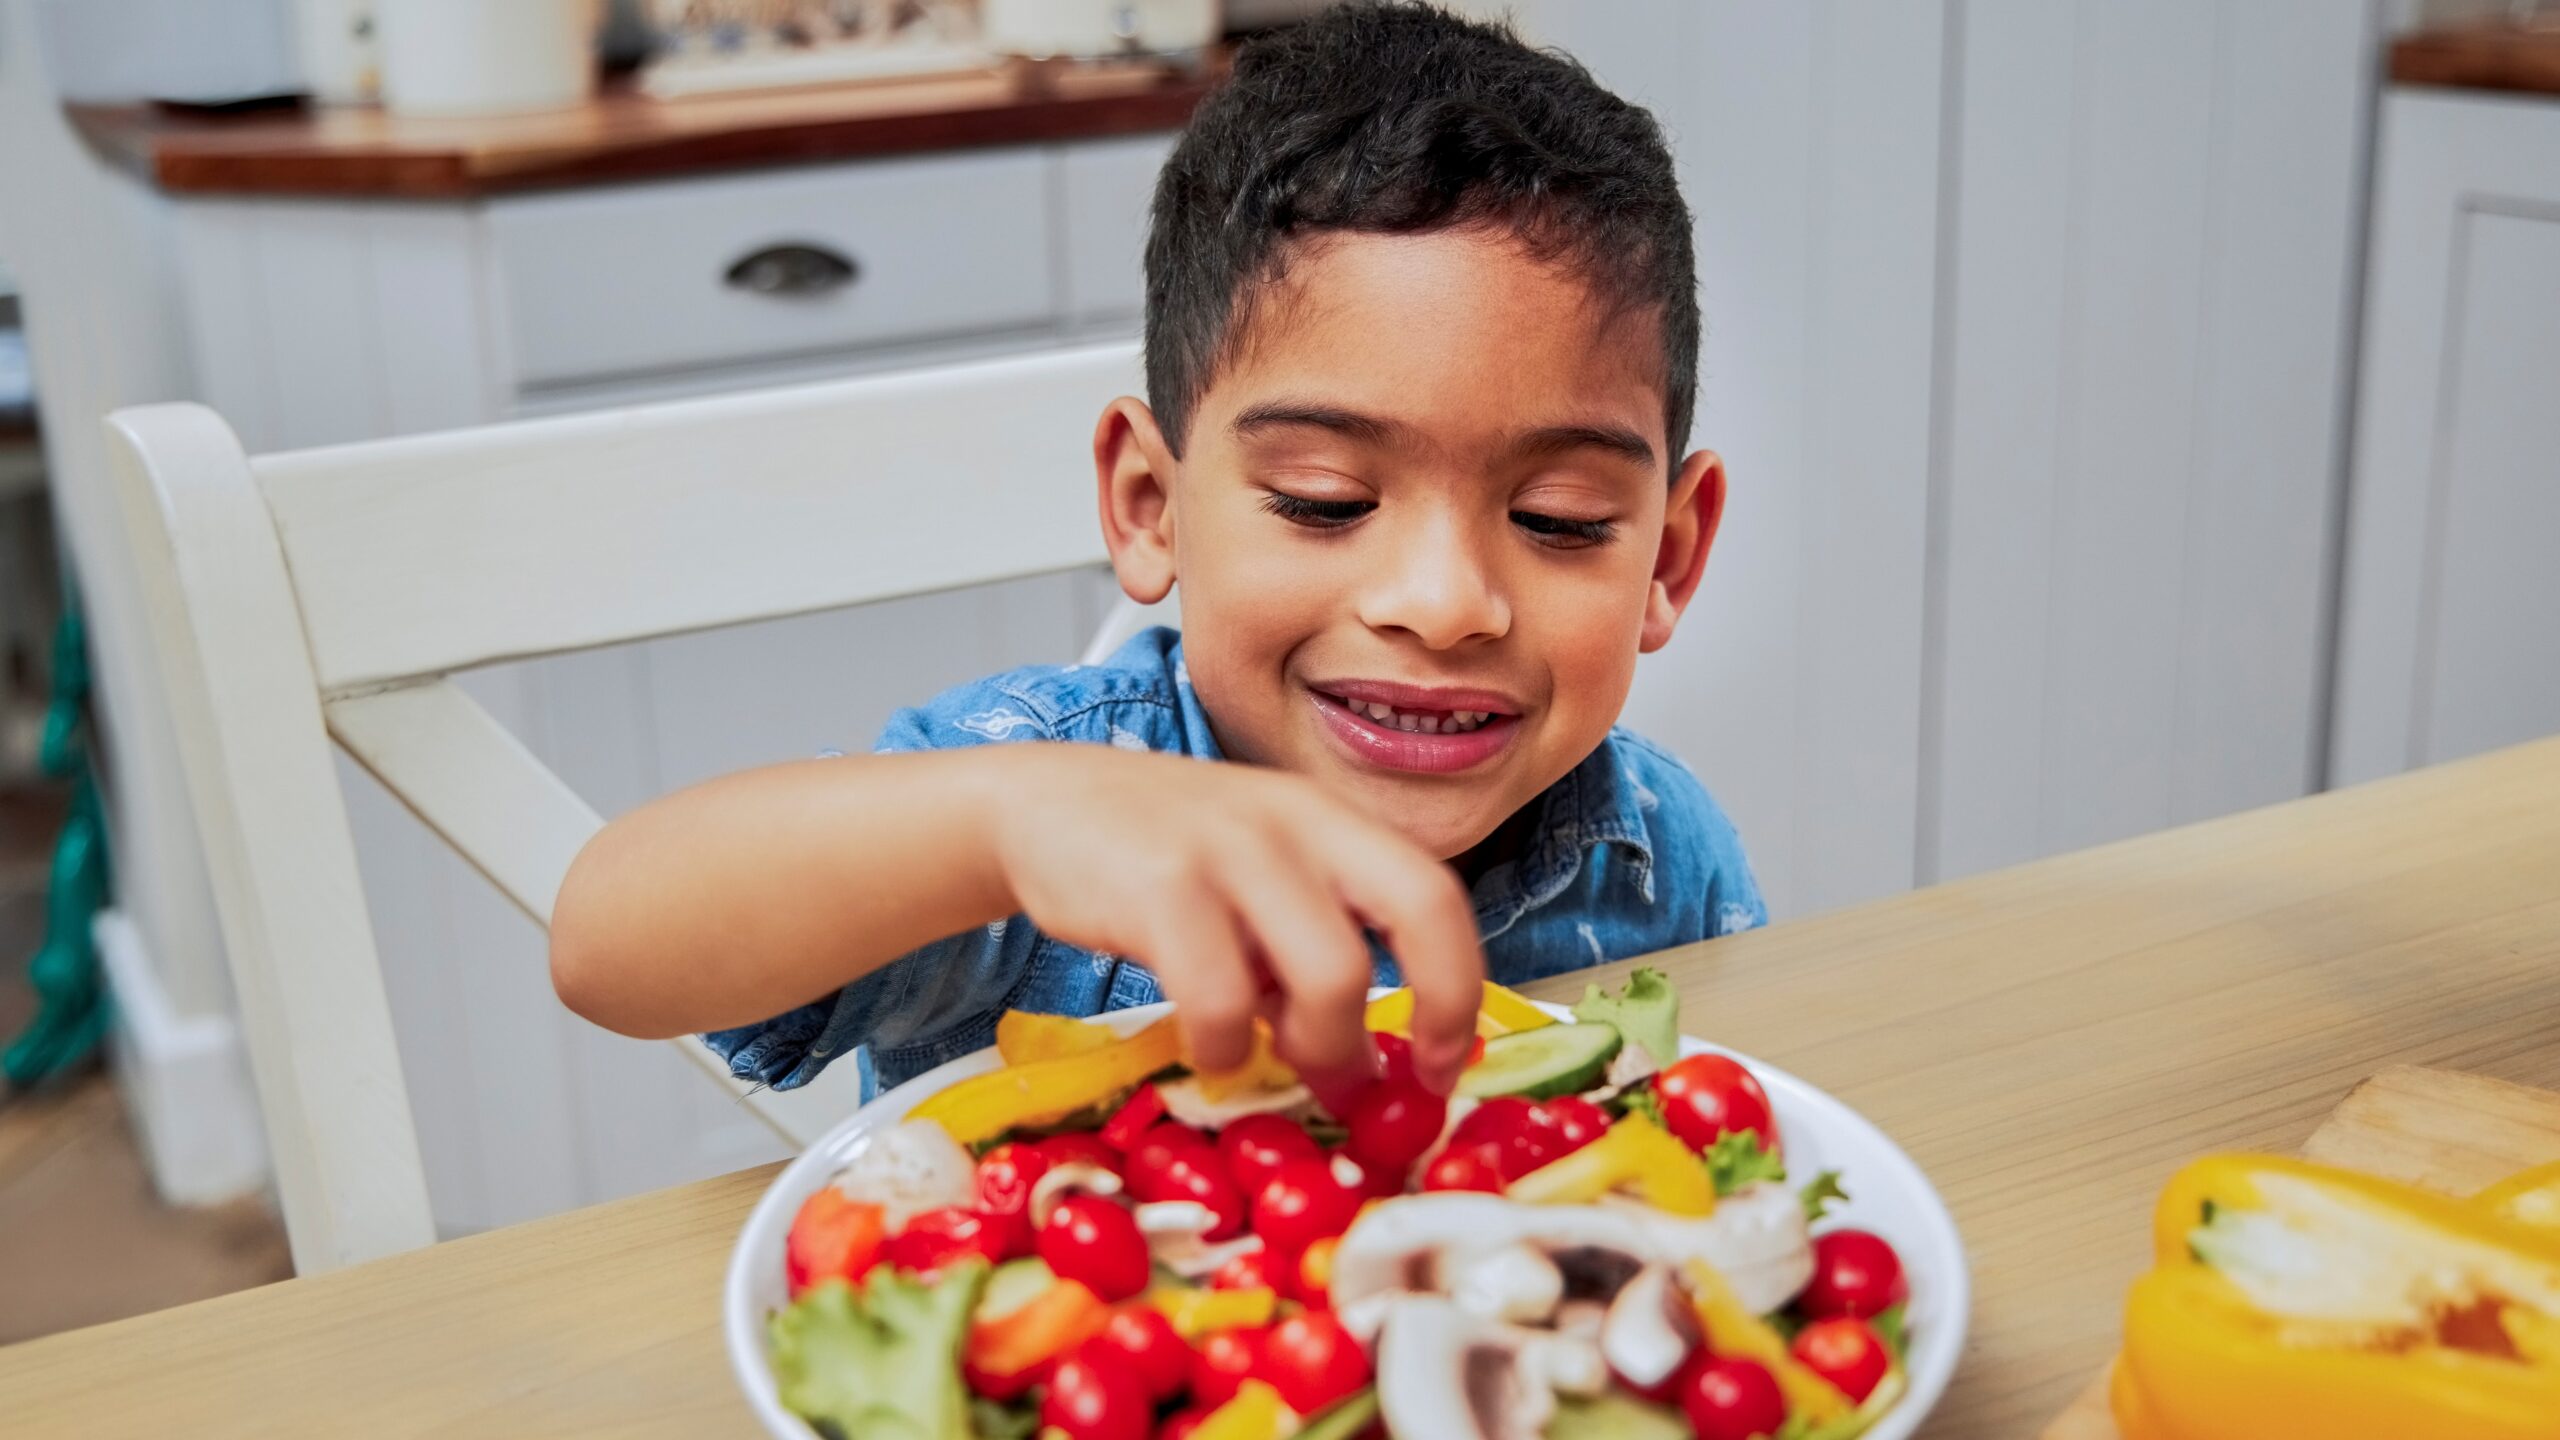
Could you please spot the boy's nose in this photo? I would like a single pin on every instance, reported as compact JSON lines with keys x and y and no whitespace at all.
{"x":1440,"y":592}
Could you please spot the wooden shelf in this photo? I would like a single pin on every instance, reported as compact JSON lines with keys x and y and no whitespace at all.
{"x":626,"y":136}
{"x":2481,"y":57}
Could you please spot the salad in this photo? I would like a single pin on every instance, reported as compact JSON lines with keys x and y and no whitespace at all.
{"x":1592,"y":1239}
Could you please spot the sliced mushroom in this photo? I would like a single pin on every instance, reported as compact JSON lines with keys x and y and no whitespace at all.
{"x":910,"y":1168}
{"x":1445,"y":1372}
{"x":1632,"y":1063}
{"x":1518,"y":1283}
{"x":1188,"y":1101}
{"x":1177,"y":1234}
{"x":1756,"y":1238}
{"x":1059,"y":1181}
{"x":1650,"y":1328}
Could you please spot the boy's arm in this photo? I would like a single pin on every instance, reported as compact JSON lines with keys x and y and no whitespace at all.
{"x":1244,"y":890}
{"x":738,"y":899}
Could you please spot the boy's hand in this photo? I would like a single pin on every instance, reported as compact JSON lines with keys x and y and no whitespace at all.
{"x":1244,"y":890}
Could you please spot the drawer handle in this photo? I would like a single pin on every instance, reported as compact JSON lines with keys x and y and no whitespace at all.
{"x":794,"y":269}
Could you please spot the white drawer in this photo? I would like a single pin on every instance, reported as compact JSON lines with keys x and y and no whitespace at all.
{"x":659,"y":276}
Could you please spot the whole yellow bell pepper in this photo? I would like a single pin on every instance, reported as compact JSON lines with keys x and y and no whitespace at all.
{"x":2530,"y":1197}
{"x":1046,"y":1091}
{"x":2295,"y":1299}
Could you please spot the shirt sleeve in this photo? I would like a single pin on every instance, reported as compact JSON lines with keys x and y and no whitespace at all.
{"x":942,"y":986}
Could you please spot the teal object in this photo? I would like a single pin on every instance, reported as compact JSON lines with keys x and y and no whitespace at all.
{"x":71,"y":996}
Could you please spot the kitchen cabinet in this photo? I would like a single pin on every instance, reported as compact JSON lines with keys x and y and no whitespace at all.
{"x":2449,"y":639}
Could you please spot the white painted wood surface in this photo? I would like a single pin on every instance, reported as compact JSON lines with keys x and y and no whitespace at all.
{"x":630,"y":278}
{"x":252,"y":569}
{"x":2447,"y":642}
{"x":1807,"y":138}
{"x":2154,"y":220}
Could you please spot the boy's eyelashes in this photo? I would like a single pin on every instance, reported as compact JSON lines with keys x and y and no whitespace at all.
{"x":1554,"y":531}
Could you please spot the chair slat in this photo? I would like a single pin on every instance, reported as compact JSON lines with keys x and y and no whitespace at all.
{"x":424,"y":555}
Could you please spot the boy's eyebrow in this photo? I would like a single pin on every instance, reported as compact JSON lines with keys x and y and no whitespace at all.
{"x":1556,"y":439}
{"x":1351,"y":424}
{"x":1377,"y":430}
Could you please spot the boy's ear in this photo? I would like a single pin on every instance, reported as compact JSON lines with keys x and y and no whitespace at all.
{"x":1133,"y":483}
{"x":1688,"y":532}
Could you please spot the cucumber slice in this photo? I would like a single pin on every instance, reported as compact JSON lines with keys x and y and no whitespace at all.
{"x":1014,"y":1284}
{"x":1548,"y":1061}
{"x":1343,"y":1420}
{"x":1611,"y":1415}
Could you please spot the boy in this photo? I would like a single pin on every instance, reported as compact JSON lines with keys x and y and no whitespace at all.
{"x":1421,"y":338}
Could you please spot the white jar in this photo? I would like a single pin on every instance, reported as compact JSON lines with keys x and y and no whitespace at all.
{"x":486,"y":57}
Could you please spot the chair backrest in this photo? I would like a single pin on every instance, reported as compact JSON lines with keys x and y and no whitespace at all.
{"x":325,"y":593}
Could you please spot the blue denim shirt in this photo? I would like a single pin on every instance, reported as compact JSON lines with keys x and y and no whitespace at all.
{"x":1629,"y":855}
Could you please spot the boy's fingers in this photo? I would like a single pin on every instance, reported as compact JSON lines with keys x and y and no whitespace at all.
{"x":1431,"y":926}
{"x":1201,"y":964}
{"x":1315,"y":952}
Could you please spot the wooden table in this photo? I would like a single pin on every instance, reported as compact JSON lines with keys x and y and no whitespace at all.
{"x":2047,"y":1041}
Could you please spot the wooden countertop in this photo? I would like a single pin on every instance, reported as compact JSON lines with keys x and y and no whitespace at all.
{"x":2049,"y":1042}
{"x":626,"y":136}
{"x":2481,"y":57}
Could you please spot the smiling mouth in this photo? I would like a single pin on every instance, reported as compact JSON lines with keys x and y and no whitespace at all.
{"x":1416,"y":722}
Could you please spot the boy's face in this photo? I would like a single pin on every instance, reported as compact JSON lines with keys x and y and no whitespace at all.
{"x":1433,"y":480}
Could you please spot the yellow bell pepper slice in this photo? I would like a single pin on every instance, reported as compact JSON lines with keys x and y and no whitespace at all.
{"x":1732,"y":1330}
{"x":1504,"y":1012}
{"x":2529,"y":1197}
{"x":1636,"y":1155}
{"x":1195,"y":1313}
{"x":2290,"y":1298}
{"x":1046,"y":1091}
{"x":1263,"y":1069}
{"x":1254,"y":1413}
{"x":1024,"y":1037}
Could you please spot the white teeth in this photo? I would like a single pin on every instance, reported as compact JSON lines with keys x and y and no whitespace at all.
{"x":1417,"y":722}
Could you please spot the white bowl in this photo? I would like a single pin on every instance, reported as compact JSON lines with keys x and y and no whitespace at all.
{"x":1888,"y":1195}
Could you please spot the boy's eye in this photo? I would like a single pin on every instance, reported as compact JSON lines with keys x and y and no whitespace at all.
{"x":1563,"y":534}
{"x":1319,"y":514}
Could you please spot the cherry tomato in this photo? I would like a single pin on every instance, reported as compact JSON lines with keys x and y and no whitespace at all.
{"x":1094,"y":1240}
{"x":1854,"y":1273}
{"x":1395,"y":1055}
{"x":1183,"y":1423}
{"x":1252,"y":1270}
{"x":936,"y":1239}
{"x":1707,"y":1096}
{"x":1307,"y":1201}
{"x":1465,"y":1167}
{"x":1078,"y":1147}
{"x":1141,"y":1340}
{"x":1574,"y":1121}
{"x":1006,"y":1175}
{"x":1255,"y":1146}
{"x":1174,"y":1163}
{"x":1845,"y":1352}
{"x":832,"y":1238}
{"x":1733,"y":1399}
{"x":1392,"y":1123}
{"x":1136,"y":1115}
{"x":1090,"y":1398}
{"x":1221,"y":1362}
{"x":1312,"y":1361}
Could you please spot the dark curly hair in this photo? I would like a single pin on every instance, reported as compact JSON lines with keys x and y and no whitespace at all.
{"x":1397,"y":118}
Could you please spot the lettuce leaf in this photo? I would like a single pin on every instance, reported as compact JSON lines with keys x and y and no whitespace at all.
{"x":1737,"y":1159}
{"x":1646,"y":1010}
{"x":883,"y":1361}
{"x":1819,"y":1194}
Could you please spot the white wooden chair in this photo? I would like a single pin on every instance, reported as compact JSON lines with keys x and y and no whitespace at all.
{"x":325,"y":594}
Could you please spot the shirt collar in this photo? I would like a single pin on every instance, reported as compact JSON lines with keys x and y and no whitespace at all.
{"x":1598,"y":802}
{"x":1198,"y":739}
